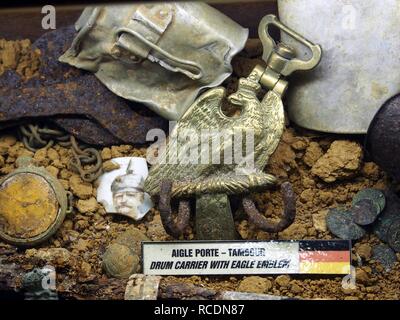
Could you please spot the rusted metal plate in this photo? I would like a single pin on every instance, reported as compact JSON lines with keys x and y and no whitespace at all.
{"x":87,"y":130}
{"x":63,"y":91}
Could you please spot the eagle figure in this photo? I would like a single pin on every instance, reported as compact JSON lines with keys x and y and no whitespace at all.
{"x":194,"y":158}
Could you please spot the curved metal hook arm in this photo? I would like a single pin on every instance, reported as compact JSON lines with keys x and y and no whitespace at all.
{"x":289,"y":212}
{"x":172,"y":227}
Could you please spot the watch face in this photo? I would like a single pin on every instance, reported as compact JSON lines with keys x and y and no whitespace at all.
{"x":28,"y":206}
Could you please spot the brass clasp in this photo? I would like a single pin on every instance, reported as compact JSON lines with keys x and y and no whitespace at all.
{"x":280,"y":58}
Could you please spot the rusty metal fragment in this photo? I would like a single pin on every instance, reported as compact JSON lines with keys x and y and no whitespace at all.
{"x":142,"y":287}
{"x":289,"y":211}
{"x":172,"y":227}
{"x":87,"y":130}
{"x":64,"y":91}
{"x":184,"y":291}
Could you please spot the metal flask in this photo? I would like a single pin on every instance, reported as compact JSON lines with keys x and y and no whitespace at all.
{"x":160,"y":54}
{"x":191,"y":165}
{"x":33,"y":205}
{"x":359,"y":69}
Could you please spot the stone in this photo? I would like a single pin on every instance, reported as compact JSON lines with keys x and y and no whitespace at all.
{"x":82,"y":190}
{"x":364,"y":251}
{"x":341,"y":161}
{"x":255,"y":284}
{"x":52,"y":154}
{"x":282,"y":280}
{"x":85,"y":270}
{"x":65,"y":174}
{"x":106,"y":154}
{"x":110,"y":166}
{"x":122,"y":256}
{"x":319,"y":220}
{"x":53,"y":171}
{"x":82,"y":245}
{"x":40,"y":157}
{"x":295,"y":288}
{"x":282,"y":161}
{"x":307,"y":182}
{"x":313,"y":153}
{"x":81,"y":225}
{"x":362,"y":276}
{"x":156,"y":231}
{"x":299,"y":145}
{"x":8,"y":140}
{"x":294,"y":232}
{"x":326,"y":197}
{"x":120,"y":262}
{"x":89,"y":205}
{"x":307,"y":195}
{"x":370,"y":170}
{"x":67,"y":225}
{"x":59,"y":257}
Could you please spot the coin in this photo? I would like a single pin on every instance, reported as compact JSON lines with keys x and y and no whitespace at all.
{"x":340,"y":223}
{"x":375,"y":195}
{"x":365,"y":212}
{"x":388,"y":215}
{"x":384,"y":255}
{"x":393,"y":235}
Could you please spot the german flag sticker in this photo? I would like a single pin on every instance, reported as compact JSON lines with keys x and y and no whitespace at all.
{"x":324,"y":257}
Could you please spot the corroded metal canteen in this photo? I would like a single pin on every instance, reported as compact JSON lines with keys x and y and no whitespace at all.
{"x":33,"y":204}
{"x":211,"y":182}
{"x":360,"y":69}
{"x":160,"y":54}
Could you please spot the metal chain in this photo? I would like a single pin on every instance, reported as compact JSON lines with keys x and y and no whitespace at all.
{"x":35,"y":137}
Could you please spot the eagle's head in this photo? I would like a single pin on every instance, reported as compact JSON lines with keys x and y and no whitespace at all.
{"x":247,"y":91}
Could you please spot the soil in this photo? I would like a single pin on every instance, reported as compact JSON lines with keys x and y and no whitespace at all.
{"x":326,"y":171}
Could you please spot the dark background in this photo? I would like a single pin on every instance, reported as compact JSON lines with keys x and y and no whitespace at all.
{"x":22,"y":19}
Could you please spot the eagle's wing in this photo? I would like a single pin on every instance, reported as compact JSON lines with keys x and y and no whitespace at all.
{"x":203,"y":114}
{"x":273,"y":126}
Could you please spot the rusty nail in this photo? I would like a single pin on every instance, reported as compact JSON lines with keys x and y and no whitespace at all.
{"x":289,"y":211}
{"x":173,"y":228}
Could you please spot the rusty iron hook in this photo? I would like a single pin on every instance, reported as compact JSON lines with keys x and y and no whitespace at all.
{"x":172,"y":227}
{"x":261,"y":222}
